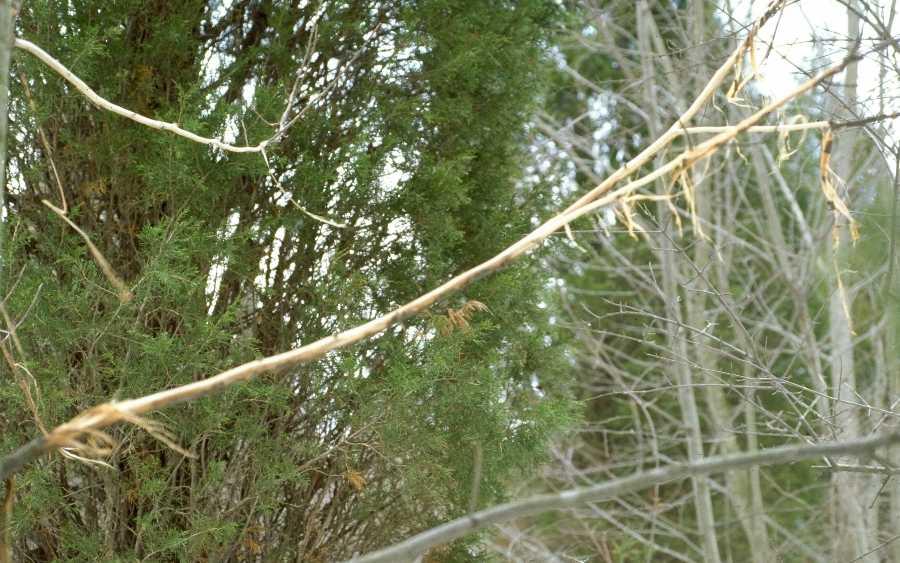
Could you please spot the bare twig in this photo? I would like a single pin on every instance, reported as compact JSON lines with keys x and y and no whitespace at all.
{"x":460,"y":527}
{"x":870,"y":469}
{"x":103,"y":103}
{"x":125,"y":294}
{"x":46,"y":144}
{"x":284,"y":123}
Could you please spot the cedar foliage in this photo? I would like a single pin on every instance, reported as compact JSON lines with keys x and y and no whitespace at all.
{"x":414,"y":141}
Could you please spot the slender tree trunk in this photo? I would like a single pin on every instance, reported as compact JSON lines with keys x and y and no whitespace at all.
{"x":675,"y":338}
{"x":852,"y":535}
{"x":687,"y":400}
{"x":720,"y":412}
{"x":892,"y":371}
{"x":743,"y":487}
{"x":891,"y":293}
{"x":7,"y":35}
{"x":747,"y":507}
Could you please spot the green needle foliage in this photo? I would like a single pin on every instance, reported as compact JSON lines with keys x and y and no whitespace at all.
{"x":410,"y":136}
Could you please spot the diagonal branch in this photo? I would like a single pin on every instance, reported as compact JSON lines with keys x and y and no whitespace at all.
{"x":416,"y":545}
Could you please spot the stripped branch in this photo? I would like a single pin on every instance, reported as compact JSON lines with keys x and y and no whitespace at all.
{"x":283,"y":124}
{"x":103,"y":103}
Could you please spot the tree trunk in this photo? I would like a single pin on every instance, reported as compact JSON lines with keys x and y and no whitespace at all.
{"x":7,"y":16}
{"x":853,"y":534}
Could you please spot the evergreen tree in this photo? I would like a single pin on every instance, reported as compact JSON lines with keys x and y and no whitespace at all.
{"x":400,"y":171}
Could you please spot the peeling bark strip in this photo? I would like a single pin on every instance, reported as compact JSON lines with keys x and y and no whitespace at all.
{"x":102,"y":416}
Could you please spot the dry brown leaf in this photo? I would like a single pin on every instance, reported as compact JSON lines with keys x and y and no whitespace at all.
{"x":459,"y":318}
{"x":356,"y":479}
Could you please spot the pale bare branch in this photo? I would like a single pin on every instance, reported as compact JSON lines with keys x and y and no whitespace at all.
{"x":411,"y":548}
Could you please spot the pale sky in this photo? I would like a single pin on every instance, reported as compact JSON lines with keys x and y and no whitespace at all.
{"x":809,"y":34}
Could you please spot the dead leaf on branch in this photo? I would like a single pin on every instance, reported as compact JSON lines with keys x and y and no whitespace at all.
{"x":625,"y":210}
{"x":124,"y":293}
{"x":784,"y":150}
{"x":841,"y":211}
{"x":356,"y":479}
{"x":459,"y":318}
{"x":837,"y":205}
{"x":251,"y":539}
{"x":740,"y":81}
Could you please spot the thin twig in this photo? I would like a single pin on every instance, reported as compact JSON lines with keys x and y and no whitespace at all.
{"x":46,"y":144}
{"x":125,"y":294}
